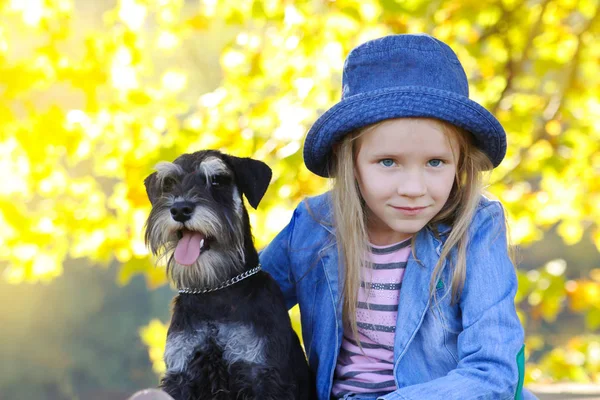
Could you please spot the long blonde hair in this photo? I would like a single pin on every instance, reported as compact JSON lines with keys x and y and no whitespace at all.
{"x":350,"y":217}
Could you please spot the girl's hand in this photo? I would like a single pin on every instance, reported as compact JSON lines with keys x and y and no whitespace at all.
{"x":150,"y":394}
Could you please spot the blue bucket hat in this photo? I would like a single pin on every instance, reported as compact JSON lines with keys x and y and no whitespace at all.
{"x":402,"y":76}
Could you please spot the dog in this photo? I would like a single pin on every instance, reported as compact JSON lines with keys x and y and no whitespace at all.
{"x":230,"y":335}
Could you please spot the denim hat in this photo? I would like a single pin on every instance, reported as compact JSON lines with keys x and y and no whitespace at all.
{"x":402,"y":76}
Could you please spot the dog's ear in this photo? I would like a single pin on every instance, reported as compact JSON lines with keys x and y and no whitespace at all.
{"x":152,"y":187}
{"x":253,"y":178}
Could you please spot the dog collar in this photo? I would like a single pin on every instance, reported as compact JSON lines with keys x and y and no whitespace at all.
{"x":228,"y":282}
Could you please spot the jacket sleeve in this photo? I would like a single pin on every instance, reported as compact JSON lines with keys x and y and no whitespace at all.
{"x":492,"y":335}
{"x":275,"y":259}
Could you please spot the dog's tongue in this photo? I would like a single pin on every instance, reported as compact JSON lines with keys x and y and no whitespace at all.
{"x":188,"y":248}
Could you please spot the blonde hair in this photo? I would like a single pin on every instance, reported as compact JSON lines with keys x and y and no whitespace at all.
{"x":350,"y":216}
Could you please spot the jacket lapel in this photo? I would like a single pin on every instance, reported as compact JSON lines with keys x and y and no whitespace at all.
{"x":329,"y":261}
{"x":414,"y":295}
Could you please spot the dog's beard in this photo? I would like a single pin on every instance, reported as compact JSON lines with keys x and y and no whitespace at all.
{"x":221,"y":257}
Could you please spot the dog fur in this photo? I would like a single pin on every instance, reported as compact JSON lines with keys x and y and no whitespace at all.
{"x":236,"y":342}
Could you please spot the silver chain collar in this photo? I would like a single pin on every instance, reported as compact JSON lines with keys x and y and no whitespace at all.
{"x":228,"y":282}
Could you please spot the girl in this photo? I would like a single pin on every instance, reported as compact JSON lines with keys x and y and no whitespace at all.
{"x":402,"y":273}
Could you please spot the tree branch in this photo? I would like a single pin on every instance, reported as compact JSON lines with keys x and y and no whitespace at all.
{"x":514,"y":68}
{"x":559,"y":98}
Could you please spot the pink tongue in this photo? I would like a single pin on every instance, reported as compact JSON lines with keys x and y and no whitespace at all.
{"x":188,"y":248}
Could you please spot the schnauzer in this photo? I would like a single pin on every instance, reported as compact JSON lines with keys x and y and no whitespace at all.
{"x":230,"y":335}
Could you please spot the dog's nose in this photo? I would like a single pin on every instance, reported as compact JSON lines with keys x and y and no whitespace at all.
{"x":182,"y":211}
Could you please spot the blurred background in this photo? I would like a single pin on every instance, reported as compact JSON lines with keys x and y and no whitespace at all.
{"x":93,"y":93}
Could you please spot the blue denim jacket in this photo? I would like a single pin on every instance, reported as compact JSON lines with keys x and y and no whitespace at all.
{"x":470,"y":350}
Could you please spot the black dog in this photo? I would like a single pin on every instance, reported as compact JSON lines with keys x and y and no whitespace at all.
{"x":230,"y":335}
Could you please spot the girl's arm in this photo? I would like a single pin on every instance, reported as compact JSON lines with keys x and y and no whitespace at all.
{"x":275,"y":260}
{"x":489,"y":345}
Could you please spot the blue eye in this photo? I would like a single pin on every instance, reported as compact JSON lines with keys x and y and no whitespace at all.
{"x":387,"y":162}
{"x":435,"y":162}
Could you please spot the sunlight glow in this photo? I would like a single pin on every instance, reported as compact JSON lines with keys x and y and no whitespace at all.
{"x":556,"y":267}
{"x":594,"y":353}
{"x":303,"y":86}
{"x":25,"y":252}
{"x":369,"y":11}
{"x":123,"y":77}
{"x":45,"y":225}
{"x":291,"y":117}
{"x":333,"y":52}
{"x":132,"y":14}
{"x":174,"y":81}
{"x":6,"y":232}
{"x":15,"y":167}
{"x":194,"y":123}
{"x":209,"y":8}
{"x":45,"y":266}
{"x":285,"y":191}
{"x":32,"y":10}
{"x":575,"y":357}
{"x":139,"y":248}
{"x":288,"y":150}
{"x":233,"y":59}
{"x":277,"y":219}
{"x":292,"y":16}
{"x":159,"y":123}
{"x":3,"y":41}
{"x":53,"y":183}
{"x":213,"y":99}
{"x":167,"y":40}
{"x":242,"y":39}
{"x":77,"y":117}
{"x":292,"y":42}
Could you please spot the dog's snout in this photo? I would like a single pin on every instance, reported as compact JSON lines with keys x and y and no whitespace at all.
{"x":182,"y":211}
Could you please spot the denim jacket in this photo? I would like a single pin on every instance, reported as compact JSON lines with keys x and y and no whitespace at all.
{"x":469,"y":350}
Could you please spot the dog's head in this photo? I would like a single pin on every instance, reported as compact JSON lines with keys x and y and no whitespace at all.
{"x":198,"y":221}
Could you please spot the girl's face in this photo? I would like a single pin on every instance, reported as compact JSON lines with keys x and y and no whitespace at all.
{"x":405,"y":170}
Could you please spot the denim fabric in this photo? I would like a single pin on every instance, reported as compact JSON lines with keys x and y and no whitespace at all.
{"x":462,"y":351}
{"x":408,"y":75}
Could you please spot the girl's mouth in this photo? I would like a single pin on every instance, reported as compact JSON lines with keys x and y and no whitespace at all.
{"x":410,"y":210}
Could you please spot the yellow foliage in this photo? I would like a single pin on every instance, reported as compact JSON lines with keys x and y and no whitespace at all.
{"x":577,"y":361}
{"x":596,"y":238}
{"x":89,"y":107}
{"x":154,"y":336}
{"x":295,"y":318}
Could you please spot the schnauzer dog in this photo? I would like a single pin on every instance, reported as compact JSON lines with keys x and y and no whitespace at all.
{"x":230,"y":335}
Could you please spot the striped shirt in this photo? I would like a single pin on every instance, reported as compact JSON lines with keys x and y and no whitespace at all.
{"x":371,"y":370}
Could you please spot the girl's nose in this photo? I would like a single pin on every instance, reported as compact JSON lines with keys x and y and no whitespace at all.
{"x":412,"y":184}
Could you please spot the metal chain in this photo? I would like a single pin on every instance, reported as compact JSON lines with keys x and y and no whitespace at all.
{"x":228,"y":282}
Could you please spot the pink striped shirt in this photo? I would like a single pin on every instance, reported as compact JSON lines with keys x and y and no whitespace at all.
{"x":371,"y":370}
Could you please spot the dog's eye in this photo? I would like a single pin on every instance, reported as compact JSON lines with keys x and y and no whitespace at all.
{"x":168,"y":184}
{"x":220,"y":180}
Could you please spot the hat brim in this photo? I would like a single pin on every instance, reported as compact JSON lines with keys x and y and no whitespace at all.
{"x":368,"y":108}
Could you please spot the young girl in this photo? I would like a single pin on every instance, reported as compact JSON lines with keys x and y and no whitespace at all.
{"x":402,"y":273}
